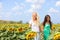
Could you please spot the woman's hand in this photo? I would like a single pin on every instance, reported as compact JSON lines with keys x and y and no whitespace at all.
{"x":30,"y":25}
{"x":42,"y":28}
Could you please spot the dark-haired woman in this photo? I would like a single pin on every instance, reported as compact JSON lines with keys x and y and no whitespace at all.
{"x":47,"y":24}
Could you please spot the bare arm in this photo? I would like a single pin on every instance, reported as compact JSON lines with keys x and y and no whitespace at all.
{"x":30,"y":25}
{"x":42,"y":27}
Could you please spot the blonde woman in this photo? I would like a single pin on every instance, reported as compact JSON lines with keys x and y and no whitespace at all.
{"x":35,"y":25}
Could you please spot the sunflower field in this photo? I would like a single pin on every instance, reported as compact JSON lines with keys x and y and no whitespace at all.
{"x":16,"y":32}
{"x":55,"y":33}
{"x":23,"y":32}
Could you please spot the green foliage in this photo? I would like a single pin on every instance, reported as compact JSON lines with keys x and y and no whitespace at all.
{"x":6,"y":34}
{"x":55,"y":33}
{"x":10,"y":22}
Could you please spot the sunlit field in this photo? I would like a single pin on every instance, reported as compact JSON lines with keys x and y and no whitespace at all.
{"x":23,"y":32}
{"x":29,"y":19}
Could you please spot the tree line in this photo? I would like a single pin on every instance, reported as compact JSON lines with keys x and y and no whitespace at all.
{"x":11,"y":22}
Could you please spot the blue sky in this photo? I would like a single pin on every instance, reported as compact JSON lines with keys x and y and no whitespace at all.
{"x":16,"y":10}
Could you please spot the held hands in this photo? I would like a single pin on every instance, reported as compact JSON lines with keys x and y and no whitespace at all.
{"x":41,"y":28}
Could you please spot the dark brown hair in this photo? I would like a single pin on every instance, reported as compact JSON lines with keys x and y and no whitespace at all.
{"x":45,"y":20}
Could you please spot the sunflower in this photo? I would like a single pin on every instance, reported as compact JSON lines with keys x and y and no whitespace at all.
{"x":56,"y":36}
{"x":53,"y":27}
{"x":20,"y":29}
{"x":31,"y":35}
{"x":11,"y":29}
{"x":1,"y":28}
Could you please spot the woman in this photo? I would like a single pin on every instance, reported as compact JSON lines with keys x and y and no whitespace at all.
{"x":35,"y":25}
{"x":47,"y":24}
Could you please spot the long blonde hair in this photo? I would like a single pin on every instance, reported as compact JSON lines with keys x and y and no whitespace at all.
{"x":37,"y":21}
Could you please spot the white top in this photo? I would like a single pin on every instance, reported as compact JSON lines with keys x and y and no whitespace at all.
{"x":34,"y":27}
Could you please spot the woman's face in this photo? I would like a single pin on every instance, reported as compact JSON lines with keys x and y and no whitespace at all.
{"x":48,"y":18}
{"x":34,"y":16}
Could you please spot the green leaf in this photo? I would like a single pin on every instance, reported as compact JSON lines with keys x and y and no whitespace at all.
{"x":13,"y":36}
{"x":2,"y":38}
{"x":1,"y":34}
{"x":21,"y":36}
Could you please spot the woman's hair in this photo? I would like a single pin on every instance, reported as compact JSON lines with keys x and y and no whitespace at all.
{"x":37,"y":19}
{"x":45,"y":20}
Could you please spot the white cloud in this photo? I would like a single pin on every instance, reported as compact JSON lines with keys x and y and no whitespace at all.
{"x":5,"y":15}
{"x":16,"y":3}
{"x":1,"y":6}
{"x":18,"y":7}
{"x":0,"y":16}
{"x":8,"y":14}
{"x":36,"y":1}
{"x":58,"y":3}
{"x":30,"y":10}
{"x":18,"y":13}
{"x":53,"y":10}
{"x":41,"y":1}
{"x":34,"y":8}
{"x":31,"y":1}
{"x":36,"y":5}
